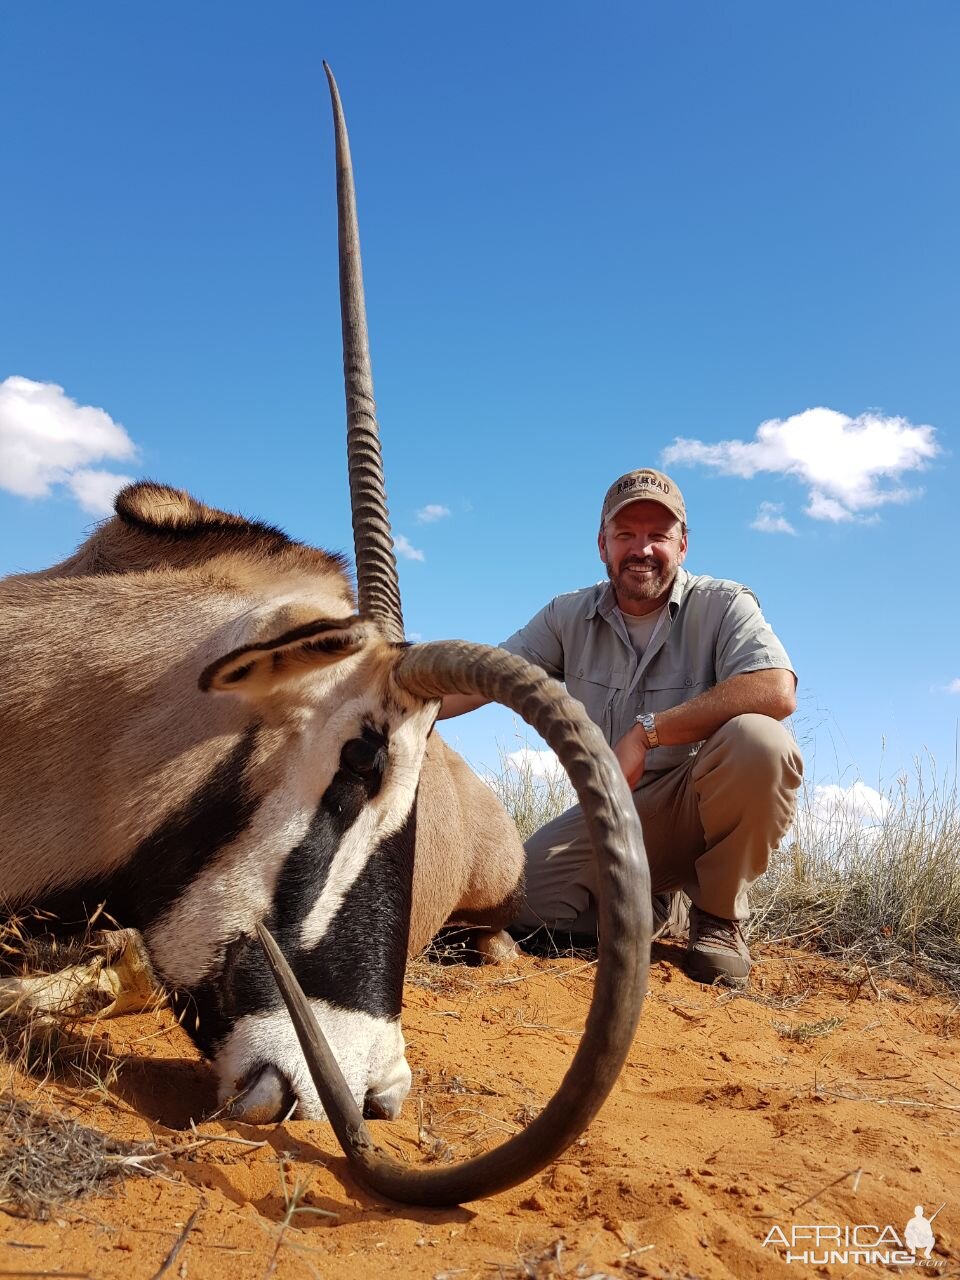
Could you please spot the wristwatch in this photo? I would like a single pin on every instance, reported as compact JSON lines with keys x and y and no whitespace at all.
{"x":649,"y":722}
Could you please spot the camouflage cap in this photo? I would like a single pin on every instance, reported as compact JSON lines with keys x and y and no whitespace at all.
{"x":643,"y":485}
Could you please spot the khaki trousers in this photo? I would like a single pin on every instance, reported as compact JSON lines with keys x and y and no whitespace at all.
{"x":709,"y":827}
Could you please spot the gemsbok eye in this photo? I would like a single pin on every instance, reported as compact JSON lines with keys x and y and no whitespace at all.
{"x":363,"y":755}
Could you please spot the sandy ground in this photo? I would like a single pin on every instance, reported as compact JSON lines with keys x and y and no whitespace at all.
{"x":720,"y":1129}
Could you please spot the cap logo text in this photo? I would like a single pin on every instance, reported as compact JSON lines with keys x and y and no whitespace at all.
{"x":642,"y":482}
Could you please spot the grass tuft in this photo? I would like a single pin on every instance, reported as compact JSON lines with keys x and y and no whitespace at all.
{"x":802,"y":1031}
{"x":55,"y":1039}
{"x":530,"y":797}
{"x":47,"y":1160}
{"x":884,"y":895}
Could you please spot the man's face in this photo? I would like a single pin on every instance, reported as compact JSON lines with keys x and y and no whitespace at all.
{"x":642,"y":546}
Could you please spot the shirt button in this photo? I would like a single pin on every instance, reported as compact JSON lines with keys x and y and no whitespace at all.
{"x":687,"y":682}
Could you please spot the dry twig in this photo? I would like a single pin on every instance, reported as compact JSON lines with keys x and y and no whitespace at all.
{"x":174,"y":1253}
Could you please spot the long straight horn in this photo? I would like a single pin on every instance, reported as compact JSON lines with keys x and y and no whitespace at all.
{"x":378,"y":587}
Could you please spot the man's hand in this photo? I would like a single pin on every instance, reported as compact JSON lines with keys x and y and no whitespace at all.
{"x":631,"y":752}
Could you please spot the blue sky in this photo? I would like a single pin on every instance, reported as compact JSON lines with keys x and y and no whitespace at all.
{"x":588,"y":232}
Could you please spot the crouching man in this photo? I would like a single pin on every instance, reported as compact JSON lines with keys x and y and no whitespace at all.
{"x":689,"y":684}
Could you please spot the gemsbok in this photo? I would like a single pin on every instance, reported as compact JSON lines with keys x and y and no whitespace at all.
{"x":205,"y":731}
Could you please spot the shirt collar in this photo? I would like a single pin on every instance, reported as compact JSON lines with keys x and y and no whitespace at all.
{"x":605,"y":602}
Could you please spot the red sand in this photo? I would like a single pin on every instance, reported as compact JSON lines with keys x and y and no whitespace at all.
{"x":718,"y":1129}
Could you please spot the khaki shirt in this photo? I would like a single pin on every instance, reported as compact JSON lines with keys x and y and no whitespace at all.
{"x":712,"y":629}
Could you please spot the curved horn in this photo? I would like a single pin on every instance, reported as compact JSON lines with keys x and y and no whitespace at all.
{"x":429,"y":671}
{"x":378,"y":587}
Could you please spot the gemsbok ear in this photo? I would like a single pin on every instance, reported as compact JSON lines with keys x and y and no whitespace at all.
{"x":256,"y":670}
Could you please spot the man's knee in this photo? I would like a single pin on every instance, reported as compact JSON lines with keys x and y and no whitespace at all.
{"x":755,"y":747}
{"x":560,"y":873}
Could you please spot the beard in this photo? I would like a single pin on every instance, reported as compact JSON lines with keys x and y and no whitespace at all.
{"x":630,"y":587}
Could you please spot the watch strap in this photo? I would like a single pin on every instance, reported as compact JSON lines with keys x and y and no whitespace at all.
{"x":649,"y":722}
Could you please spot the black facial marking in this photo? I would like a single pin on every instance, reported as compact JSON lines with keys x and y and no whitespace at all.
{"x":164,"y":864}
{"x":245,"y":984}
{"x":208,"y":1010}
{"x":359,"y":963}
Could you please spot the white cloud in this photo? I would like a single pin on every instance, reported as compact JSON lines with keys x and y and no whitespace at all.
{"x":857,"y":805}
{"x":405,"y":548}
{"x":96,"y":490}
{"x":849,"y":465}
{"x":953,"y":686}
{"x":769,"y":519}
{"x":432,"y":512}
{"x":540,"y":764}
{"x":837,"y":822}
{"x":47,"y":439}
{"x":820,"y":507}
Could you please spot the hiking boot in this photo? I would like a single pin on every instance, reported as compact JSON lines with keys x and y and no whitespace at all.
{"x":716,"y":950}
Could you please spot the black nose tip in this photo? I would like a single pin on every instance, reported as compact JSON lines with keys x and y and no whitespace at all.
{"x":372,"y":1110}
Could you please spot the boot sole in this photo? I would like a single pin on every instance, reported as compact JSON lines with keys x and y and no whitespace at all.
{"x":700,"y":969}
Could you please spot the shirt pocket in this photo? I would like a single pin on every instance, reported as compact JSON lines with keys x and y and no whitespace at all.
{"x":600,"y":692}
{"x":660,"y":691}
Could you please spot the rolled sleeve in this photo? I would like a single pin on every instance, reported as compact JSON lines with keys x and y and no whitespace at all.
{"x":746,"y":641}
{"x":539,"y":642}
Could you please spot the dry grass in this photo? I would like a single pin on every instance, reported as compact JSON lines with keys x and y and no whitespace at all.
{"x":532,"y":799}
{"x":442,"y":973}
{"x":47,"y":1160}
{"x":885,"y":896}
{"x":803,"y":1031}
{"x":455,"y":1116}
{"x":534,"y":1264}
{"x":293,"y":1202}
{"x":47,"y":1046}
{"x":29,"y":944}
{"x":554,"y":1262}
{"x":52,"y":1044}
